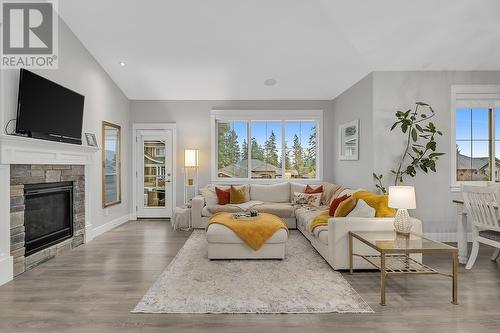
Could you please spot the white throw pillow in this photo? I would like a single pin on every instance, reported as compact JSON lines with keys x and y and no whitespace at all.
{"x":362,"y":209}
{"x":305,"y":199}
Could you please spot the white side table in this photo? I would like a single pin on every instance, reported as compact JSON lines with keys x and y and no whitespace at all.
{"x":181,"y":219}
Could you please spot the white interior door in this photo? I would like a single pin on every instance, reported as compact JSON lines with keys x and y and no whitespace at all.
{"x":154,"y":173}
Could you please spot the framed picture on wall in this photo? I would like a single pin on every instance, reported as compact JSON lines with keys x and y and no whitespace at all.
{"x":91,"y":140}
{"x":349,"y":141}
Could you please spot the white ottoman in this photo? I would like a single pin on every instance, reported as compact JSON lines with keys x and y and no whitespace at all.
{"x":223,"y":243}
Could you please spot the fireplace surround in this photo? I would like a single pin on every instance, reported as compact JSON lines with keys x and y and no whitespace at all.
{"x":38,"y":161}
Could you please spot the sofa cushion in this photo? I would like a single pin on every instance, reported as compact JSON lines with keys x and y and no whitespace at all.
{"x":304,"y":199}
{"x":270,"y":193}
{"x":205,"y":212}
{"x":296,"y":187}
{"x":218,"y":233}
{"x":305,"y":215}
{"x":335,"y":204}
{"x":379,"y":202}
{"x":223,"y":208}
{"x":281,"y":209}
{"x":345,"y":207}
{"x":312,"y":190}
{"x":238,"y":194}
{"x":362,"y":209}
{"x":330,"y":192}
{"x":208,"y":193}
{"x":223,"y":196}
{"x":321,"y":234}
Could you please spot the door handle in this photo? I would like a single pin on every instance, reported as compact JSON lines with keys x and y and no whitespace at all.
{"x":168,"y":181}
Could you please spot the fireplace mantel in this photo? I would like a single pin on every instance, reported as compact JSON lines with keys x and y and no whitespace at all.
{"x":23,"y":150}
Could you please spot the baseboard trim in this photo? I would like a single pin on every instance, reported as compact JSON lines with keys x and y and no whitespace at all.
{"x":110,"y":225}
{"x":6,"y":269}
{"x":445,"y":236}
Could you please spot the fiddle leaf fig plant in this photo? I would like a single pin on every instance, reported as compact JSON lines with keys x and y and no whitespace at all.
{"x":420,"y":151}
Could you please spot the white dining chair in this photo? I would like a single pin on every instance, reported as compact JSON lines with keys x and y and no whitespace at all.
{"x":481,"y":204}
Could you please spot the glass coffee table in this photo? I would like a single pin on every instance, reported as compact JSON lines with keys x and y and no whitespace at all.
{"x":394,"y":256}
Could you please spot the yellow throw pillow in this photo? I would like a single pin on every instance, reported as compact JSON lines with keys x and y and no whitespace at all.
{"x":345,"y":207}
{"x":238,"y":194}
{"x":379,"y":202}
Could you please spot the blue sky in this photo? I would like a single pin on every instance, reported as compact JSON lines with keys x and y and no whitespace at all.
{"x":473,"y":124}
{"x":262,"y":129}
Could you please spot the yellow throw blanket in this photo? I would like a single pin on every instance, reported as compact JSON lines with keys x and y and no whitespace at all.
{"x":255,"y":232}
{"x":321,"y":219}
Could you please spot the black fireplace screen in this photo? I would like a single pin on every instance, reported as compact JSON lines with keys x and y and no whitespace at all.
{"x":48,"y":215}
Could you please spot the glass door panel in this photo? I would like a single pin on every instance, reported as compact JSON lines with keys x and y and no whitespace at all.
{"x":154,"y":173}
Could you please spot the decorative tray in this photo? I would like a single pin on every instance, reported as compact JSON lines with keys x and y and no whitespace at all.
{"x":244,"y":216}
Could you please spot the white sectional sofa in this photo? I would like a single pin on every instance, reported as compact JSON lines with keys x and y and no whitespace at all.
{"x":331,"y":242}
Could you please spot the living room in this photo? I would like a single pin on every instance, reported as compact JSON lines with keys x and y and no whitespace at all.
{"x":240,"y":166}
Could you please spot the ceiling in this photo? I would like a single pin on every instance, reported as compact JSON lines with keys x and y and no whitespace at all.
{"x":314,"y":49}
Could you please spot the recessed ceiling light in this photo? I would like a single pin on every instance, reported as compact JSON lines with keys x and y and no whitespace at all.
{"x":123,"y":63}
{"x":270,"y":82}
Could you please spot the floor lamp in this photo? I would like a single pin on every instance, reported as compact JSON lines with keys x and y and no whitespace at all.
{"x":190,"y":175}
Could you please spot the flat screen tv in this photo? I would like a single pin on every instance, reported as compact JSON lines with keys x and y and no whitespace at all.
{"x":47,"y":110}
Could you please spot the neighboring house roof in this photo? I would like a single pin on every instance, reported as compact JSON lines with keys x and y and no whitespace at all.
{"x":239,"y":170}
{"x":475,"y":163}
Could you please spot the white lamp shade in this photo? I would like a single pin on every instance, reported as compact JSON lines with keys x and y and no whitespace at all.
{"x":402,"y":197}
{"x":190,"y":157}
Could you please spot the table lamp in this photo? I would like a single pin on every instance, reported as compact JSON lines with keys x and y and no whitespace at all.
{"x":402,"y":198}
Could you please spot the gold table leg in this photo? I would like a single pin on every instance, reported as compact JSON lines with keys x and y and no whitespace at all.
{"x":382,"y":279}
{"x":454,"y":266}
{"x":350,"y":253}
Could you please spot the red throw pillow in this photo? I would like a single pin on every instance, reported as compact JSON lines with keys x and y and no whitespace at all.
{"x":310,"y":190}
{"x":335,"y":204}
{"x":222,"y":195}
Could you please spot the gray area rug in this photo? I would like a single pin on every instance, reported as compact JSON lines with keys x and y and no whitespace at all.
{"x":301,"y":283}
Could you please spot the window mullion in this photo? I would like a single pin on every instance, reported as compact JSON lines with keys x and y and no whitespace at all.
{"x":283,"y":150}
{"x":249,"y":148}
{"x":491,"y":114}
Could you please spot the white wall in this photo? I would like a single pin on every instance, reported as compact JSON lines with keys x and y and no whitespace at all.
{"x":354,"y":103}
{"x":79,"y":71}
{"x":399,"y":90}
{"x":193,"y":127}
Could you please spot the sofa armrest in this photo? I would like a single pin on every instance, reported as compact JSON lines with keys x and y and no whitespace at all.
{"x":338,"y":239}
{"x":197,"y":204}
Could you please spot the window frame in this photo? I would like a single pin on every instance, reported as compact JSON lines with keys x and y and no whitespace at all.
{"x":259,"y":116}
{"x":473,"y":96}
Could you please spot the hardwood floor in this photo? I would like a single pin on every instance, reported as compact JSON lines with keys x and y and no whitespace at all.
{"x":94,"y":287}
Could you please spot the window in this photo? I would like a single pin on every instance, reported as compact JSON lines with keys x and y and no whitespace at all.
{"x":266,"y":145}
{"x":474,"y":144}
{"x":476,"y":130}
{"x":300,"y":146}
{"x":266,"y":153}
{"x":232,"y":149}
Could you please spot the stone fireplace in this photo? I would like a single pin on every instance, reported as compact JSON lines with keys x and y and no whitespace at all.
{"x":40,"y":194}
{"x":29,"y":168}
